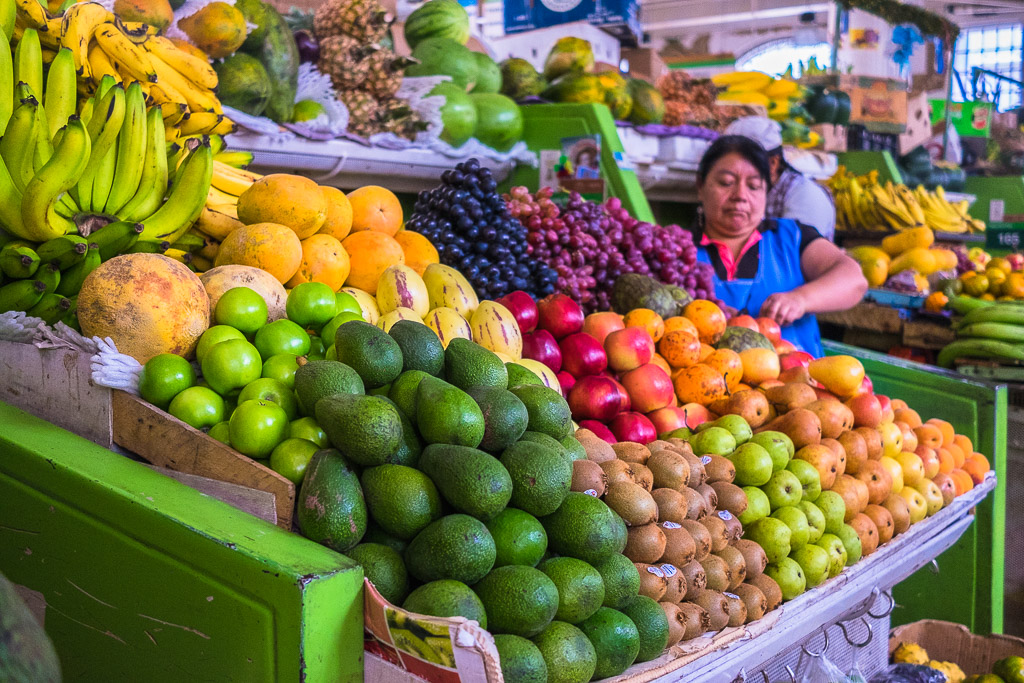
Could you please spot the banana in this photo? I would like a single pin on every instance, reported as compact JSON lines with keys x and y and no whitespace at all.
{"x":102,"y":181}
{"x":153,"y":183}
{"x":196,"y":70}
{"x":131,"y":151}
{"x":6,"y":84}
{"x":28,"y":60}
{"x":71,"y":317}
{"x":31,"y":13}
{"x":164,"y":94}
{"x":76,"y":28}
{"x":185,"y":200}
{"x":149,"y":247}
{"x":997,"y":313}
{"x":127,"y":54}
{"x":71,"y":279}
{"x":189,"y":242}
{"x":60,"y":174}
{"x":18,"y":260}
{"x":103,"y":130}
{"x":64,"y":251}
{"x":10,"y":203}
{"x":222,"y":200}
{"x":17,"y":146}
{"x":235,"y":159}
{"x":21,"y":295}
{"x":100,"y":64}
{"x":198,"y":99}
{"x":8,"y":14}
{"x":49,"y":275}
{"x":50,"y":307}
{"x":179,"y":255}
{"x":116,"y":238}
{"x":172,"y":112}
{"x":217,"y":143}
{"x":224,"y":127}
{"x":43,"y":149}
{"x":60,"y":97}
{"x":217,"y":224}
{"x":136,"y":31}
{"x":200,"y":122}
{"x":231,"y":180}
{"x":973,"y":348}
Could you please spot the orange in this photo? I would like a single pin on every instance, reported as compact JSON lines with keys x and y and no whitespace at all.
{"x":1014,"y":286}
{"x":946,"y":461}
{"x":928,"y":435}
{"x":371,"y":253}
{"x":958,"y":454}
{"x":323,"y":260}
{"x":962,"y":481}
{"x":709,"y":319}
{"x":680,"y":324}
{"x":660,"y":361}
{"x":647,"y":319}
{"x":705,"y":351}
{"x":964,"y":443}
{"x":907,"y":415}
{"x":339,"y":213}
{"x":699,"y":384}
{"x":418,"y":250}
{"x":945,"y":428}
{"x":976,"y":466}
{"x":680,"y":349}
{"x":375,"y":208}
{"x":729,"y":363}
{"x":759,"y":365}
{"x":898,"y":404}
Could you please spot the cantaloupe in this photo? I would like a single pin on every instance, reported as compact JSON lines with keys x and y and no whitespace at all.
{"x":221,"y":279}
{"x":147,"y":303}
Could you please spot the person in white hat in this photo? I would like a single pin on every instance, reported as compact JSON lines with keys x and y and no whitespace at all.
{"x":792,"y":195}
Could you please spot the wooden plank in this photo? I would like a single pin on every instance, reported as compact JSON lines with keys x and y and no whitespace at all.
{"x":866,"y":316}
{"x":168,"y":442}
{"x":253,"y":501}
{"x":922,"y":334}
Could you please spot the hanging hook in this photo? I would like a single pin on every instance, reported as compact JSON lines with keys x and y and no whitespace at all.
{"x":792,"y":674}
{"x":846,"y":633}
{"x":934,"y":566}
{"x":888,"y":611}
{"x":824,"y":647}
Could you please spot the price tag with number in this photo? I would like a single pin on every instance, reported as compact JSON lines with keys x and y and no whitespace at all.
{"x":1005,"y":238}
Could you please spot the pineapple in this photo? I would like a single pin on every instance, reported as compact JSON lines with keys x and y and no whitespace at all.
{"x":386,"y":71}
{"x":400,"y":119}
{"x":365,"y":20}
{"x":675,"y":113}
{"x":674,"y":85}
{"x":344,"y":59}
{"x":364,"y":112}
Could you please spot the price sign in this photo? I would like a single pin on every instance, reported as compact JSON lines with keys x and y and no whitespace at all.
{"x":1007,"y":236}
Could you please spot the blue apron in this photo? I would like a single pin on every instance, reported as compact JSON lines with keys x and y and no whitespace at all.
{"x":778,"y":270}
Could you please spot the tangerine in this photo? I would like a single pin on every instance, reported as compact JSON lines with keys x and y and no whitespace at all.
{"x":709,"y":319}
{"x":680,"y":349}
{"x":647,"y":319}
{"x":375,"y":208}
{"x":699,"y":384}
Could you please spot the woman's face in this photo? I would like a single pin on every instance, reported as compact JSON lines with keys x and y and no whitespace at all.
{"x":733,"y":196}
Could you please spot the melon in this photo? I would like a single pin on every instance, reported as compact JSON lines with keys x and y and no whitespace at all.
{"x":458,"y":114}
{"x":147,"y":304}
{"x":648,"y":104}
{"x":569,"y":55}
{"x":488,"y":74}
{"x":519,"y":79}
{"x":445,"y":57}
{"x":437,"y":19}
{"x":222,"y":278}
{"x":499,"y":123}
{"x":574,"y":87}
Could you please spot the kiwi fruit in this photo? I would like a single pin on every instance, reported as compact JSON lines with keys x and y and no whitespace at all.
{"x":672,"y":505}
{"x":659,"y":445}
{"x":587,"y":475}
{"x":719,"y":533}
{"x":617,"y":471}
{"x":652,"y":580}
{"x":680,"y":548}
{"x":701,"y":537}
{"x":697,"y":473}
{"x":598,"y":450}
{"x":754,"y":600}
{"x":737,"y":564}
{"x":645,"y":543}
{"x":695,"y":577}
{"x":718,"y":573}
{"x":710,"y":496}
{"x":736,"y":609}
{"x":754,"y":557}
{"x":732,"y":524}
{"x":715,"y":604}
{"x":770,"y":589}
{"x":696,"y":619}
{"x":643,"y":476}
{"x":696,"y":506}
{"x":670,"y":469}
{"x":720,"y":469}
{"x":676,"y":622}
{"x":730,"y":497}
{"x":631,"y":452}
{"x":676,"y":581}
{"x":631,"y":502}
{"x":681,"y":445}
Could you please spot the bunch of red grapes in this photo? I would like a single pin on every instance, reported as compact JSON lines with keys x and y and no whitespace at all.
{"x":590,"y":245}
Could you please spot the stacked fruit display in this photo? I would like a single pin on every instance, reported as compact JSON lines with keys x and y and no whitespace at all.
{"x":990,"y":278}
{"x":782,"y":99}
{"x":911,"y":255}
{"x":691,"y":101}
{"x":1006,"y":670}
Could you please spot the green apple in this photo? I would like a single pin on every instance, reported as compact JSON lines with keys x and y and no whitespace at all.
{"x":773,"y":535}
{"x":783,"y":488}
{"x":809,"y":478}
{"x":256,"y":427}
{"x":268,"y":389}
{"x":753,"y":465}
{"x":851,"y":541}
{"x":713,"y":441}
{"x":309,"y":429}
{"x":815,"y":520}
{"x":735,"y":425}
{"x":836,"y":553}
{"x":758,"y":506}
{"x":813,"y":561}
{"x":834,"y":508}
{"x":790,"y":577}
{"x":796,"y":520}
{"x":220,"y":432}
{"x":778,"y":445}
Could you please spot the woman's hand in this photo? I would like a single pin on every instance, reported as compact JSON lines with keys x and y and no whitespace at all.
{"x":784,"y":307}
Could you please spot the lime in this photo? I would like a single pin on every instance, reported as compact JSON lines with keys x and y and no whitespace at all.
{"x":213,"y":336}
{"x":241,"y":308}
{"x":281,"y":336}
{"x":309,"y":429}
{"x":311,"y":304}
{"x":344,"y":301}
{"x":163,"y":377}
{"x":316,"y":348}
{"x":273,"y":390}
{"x":307,"y":110}
{"x":328,"y":330}
{"x":198,"y":407}
{"x":221,"y":432}
{"x":290,"y":457}
{"x":256,"y":427}
{"x":230,"y":365}
{"x":281,"y":367}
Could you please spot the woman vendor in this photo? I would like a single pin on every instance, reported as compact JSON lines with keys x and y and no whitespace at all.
{"x":776,"y":268}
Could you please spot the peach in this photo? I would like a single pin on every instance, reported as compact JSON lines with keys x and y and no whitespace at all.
{"x":600,"y":325}
{"x":628,"y":348}
{"x":649,"y":388}
{"x":668,"y":419}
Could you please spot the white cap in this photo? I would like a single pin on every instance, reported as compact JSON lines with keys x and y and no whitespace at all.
{"x":758,"y":128}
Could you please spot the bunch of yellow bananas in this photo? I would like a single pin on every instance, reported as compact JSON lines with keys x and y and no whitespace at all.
{"x":777,"y":95}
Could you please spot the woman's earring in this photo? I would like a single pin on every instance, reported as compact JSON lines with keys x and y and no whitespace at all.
{"x":700,"y":216}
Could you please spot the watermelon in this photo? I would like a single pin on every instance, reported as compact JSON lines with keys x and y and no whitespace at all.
{"x":519,"y":79}
{"x":437,"y":19}
{"x":499,"y":123}
{"x":569,"y":54}
{"x":458,"y":114}
{"x":575,"y":87}
{"x":648,"y":104}
{"x":488,"y":74}
{"x":444,"y":56}
{"x":243,"y":83}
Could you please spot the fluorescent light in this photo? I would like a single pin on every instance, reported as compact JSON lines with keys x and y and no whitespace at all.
{"x":773,"y":13}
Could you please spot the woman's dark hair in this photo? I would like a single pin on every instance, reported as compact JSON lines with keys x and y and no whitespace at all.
{"x":751,"y":150}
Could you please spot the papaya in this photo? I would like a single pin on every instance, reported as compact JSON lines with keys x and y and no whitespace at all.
{"x":218,"y":29}
{"x":920,"y":259}
{"x":574,"y":87}
{"x":519,"y":79}
{"x":908,"y":239}
{"x":874,"y":263}
{"x":945,"y":259}
{"x":569,"y":55}
{"x":243,"y":83}
{"x":648,"y":104}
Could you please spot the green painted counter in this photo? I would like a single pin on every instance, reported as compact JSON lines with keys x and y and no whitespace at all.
{"x":147,"y":579}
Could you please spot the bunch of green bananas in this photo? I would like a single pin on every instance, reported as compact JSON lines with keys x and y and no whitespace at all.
{"x":993,"y":331}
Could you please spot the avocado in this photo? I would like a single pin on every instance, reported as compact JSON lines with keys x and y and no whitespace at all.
{"x":455,"y":547}
{"x":518,"y":538}
{"x":616,"y":641}
{"x":517,"y":374}
{"x":540,"y":477}
{"x":505,"y":417}
{"x":384,"y":568}
{"x":402,"y":501}
{"x":322,"y":378}
{"x":549,"y":413}
{"x":374,"y":534}
{"x":621,"y":580}
{"x":574,"y":450}
{"x":470,"y":480}
{"x":567,"y":652}
{"x":447,"y":414}
{"x":420,"y":345}
{"x":467,"y":364}
{"x":521,"y":661}
{"x":446,"y":598}
{"x":581,"y":527}
{"x":331,"y":509}
{"x":370,"y":351}
{"x":547,"y":441}
{"x":580,"y":587}
{"x":411,"y":447}
{"x":403,"y":391}
{"x":366,"y":429}
{"x":651,"y":623}
{"x":620,"y":531}
{"x":519,"y":600}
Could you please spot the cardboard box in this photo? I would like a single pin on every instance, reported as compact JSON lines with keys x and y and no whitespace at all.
{"x":949,"y":642}
{"x":621,"y":18}
{"x":645,"y":62}
{"x":878,"y":104}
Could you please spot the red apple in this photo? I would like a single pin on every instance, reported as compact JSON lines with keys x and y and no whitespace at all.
{"x":625,"y":402}
{"x":667,"y":419}
{"x":629,"y":348}
{"x":633,"y":427}
{"x":769,"y":328}
{"x":523,"y":308}
{"x":600,"y":429}
{"x":582,"y":355}
{"x":600,"y":325}
{"x":541,"y":346}
{"x":567,"y":382}
{"x":696,"y":414}
{"x":888,"y":414}
{"x":866,"y":386}
{"x":824,"y":394}
{"x":594,"y":398}
{"x":560,"y":315}
{"x":795,"y":359}
{"x":743,"y":321}
{"x":784,"y":346}
{"x":649,"y":387}
{"x":867,"y":411}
